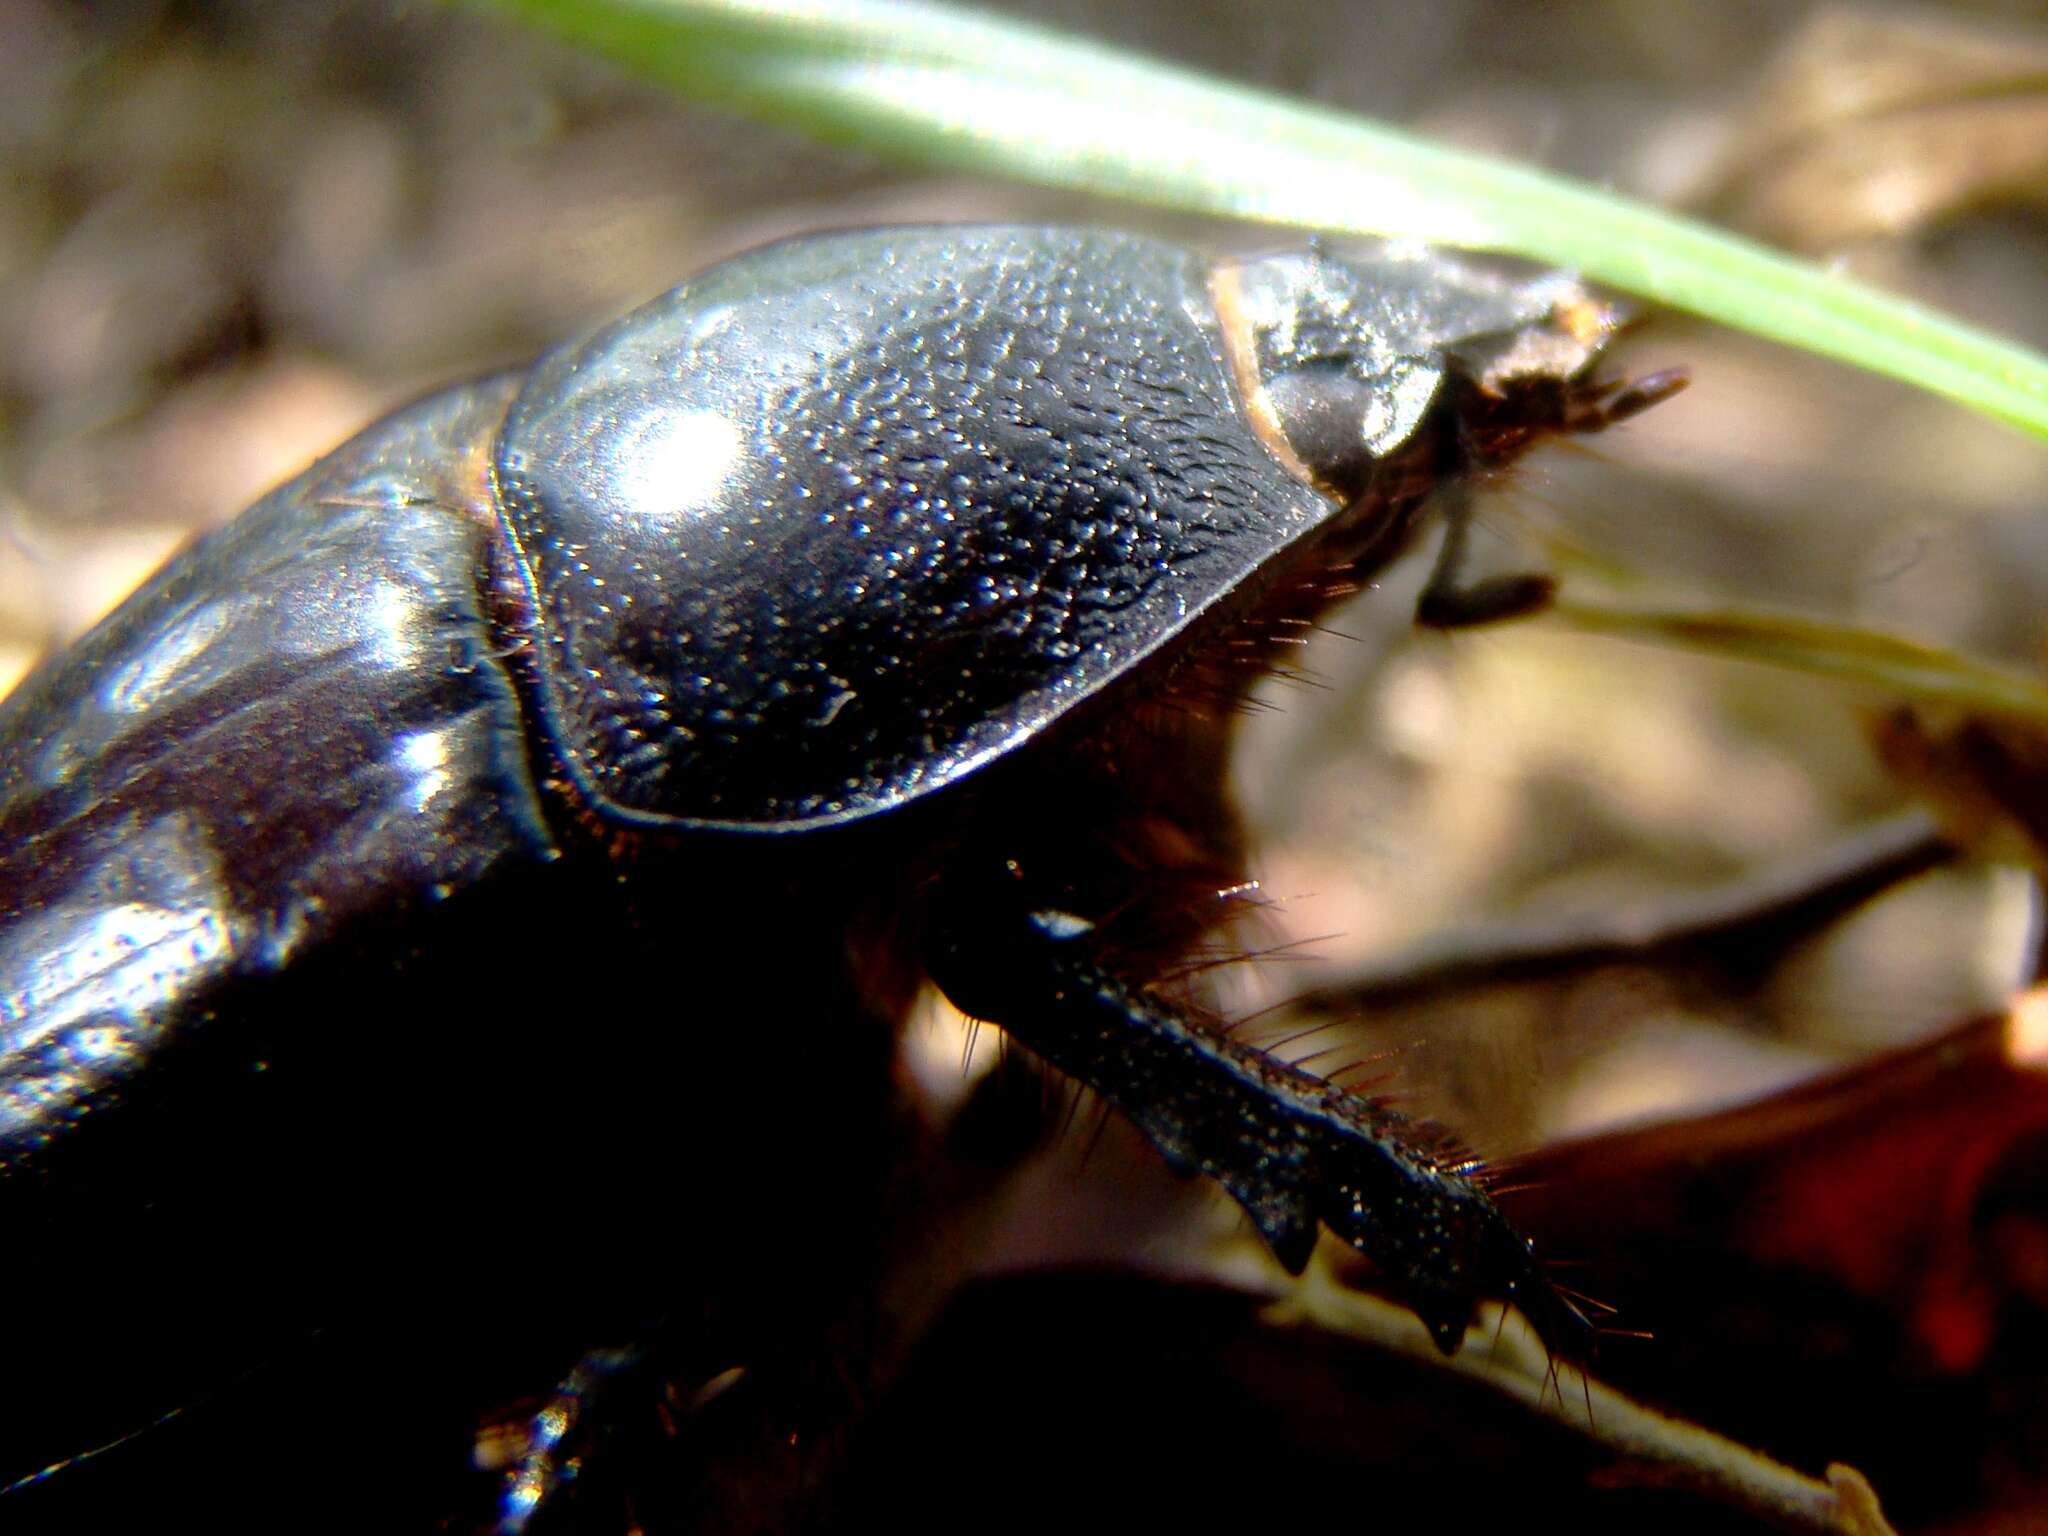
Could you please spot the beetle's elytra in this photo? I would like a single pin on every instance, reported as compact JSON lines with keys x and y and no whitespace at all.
{"x":480,"y":881}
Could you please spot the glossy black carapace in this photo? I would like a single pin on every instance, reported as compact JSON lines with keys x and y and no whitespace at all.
{"x":470,"y":897}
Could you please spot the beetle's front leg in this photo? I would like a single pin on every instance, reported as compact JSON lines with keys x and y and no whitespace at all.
{"x":1293,"y":1149}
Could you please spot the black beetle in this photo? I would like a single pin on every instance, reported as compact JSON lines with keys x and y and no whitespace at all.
{"x":479,"y":883}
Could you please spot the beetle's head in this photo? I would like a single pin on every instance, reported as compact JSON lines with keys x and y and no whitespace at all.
{"x":1350,"y":359}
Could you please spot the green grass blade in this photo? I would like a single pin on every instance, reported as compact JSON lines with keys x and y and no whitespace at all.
{"x":1892,"y":665}
{"x":972,"y":91}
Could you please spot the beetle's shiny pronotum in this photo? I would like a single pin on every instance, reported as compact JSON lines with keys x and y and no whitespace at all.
{"x":488,"y":870}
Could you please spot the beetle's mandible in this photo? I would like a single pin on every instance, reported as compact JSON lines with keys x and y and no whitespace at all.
{"x":395,"y":893}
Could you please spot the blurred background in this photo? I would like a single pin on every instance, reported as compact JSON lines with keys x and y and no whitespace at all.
{"x":231,"y":234}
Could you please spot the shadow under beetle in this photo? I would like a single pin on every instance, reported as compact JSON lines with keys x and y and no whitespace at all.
{"x":396,"y":894}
